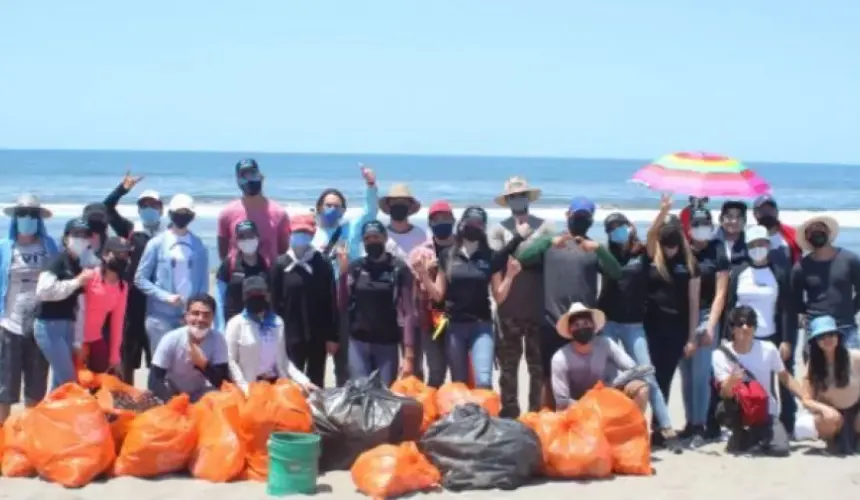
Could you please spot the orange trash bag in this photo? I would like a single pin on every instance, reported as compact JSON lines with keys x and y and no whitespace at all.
{"x":278,"y":407}
{"x":220,"y":454}
{"x":570,"y":449}
{"x":120,"y":419}
{"x":414,"y":388}
{"x":15,"y":462}
{"x":456,"y":393}
{"x":68,"y":438}
{"x":622,"y":423}
{"x":159,"y":441}
{"x":389,"y":471}
{"x":86,"y":378}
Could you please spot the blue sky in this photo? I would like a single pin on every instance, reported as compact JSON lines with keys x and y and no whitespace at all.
{"x":763,"y":79}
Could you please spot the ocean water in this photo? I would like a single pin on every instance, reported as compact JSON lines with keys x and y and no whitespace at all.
{"x":67,"y":180}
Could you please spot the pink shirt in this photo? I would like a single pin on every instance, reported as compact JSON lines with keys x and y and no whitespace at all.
{"x":273,"y":226}
{"x":100,"y":300}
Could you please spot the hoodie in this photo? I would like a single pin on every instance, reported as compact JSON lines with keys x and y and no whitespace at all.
{"x":6,"y":247}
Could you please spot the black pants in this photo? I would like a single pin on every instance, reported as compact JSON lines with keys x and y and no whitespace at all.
{"x":788,"y":406}
{"x":770,"y":439}
{"x":309,"y":357}
{"x":135,"y":344}
{"x":666,"y":339}
{"x":341,"y":357}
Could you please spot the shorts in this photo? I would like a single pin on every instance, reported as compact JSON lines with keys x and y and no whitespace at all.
{"x":551,"y":342}
{"x":21,"y":358}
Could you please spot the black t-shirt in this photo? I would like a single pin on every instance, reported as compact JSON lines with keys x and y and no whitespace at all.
{"x":467,"y":296}
{"x":233,"y":274}
{"x":374,"y":290}
{"x":623,"y":300}
{"x":829,"y":287}
{"x":712,"y":260}
{"x":668,"y":301}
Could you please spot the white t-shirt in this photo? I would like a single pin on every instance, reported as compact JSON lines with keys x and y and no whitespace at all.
{"x":763,"y":361}
{"x":179,"y":250}
{"x":400,"y":244}
{"x":758,"y":288}
{"x":19,"y":309}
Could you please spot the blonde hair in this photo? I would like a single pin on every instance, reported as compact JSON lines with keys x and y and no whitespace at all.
{"x":660,"y":259}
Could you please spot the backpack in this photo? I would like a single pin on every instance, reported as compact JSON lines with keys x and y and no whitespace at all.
{"x":397,"y":273}
{"x":750,"y":403}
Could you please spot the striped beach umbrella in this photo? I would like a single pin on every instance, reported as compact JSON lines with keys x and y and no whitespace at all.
{"x":701,"y":174}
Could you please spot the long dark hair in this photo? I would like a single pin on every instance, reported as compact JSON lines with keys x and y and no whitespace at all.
{"x":817,"y":372}
{"x":483,"y":243}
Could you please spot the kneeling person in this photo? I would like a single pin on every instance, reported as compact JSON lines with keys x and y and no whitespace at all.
{"x":191,"y":359}
{"x":589,"y":359}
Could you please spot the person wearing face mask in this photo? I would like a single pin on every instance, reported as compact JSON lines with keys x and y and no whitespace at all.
{"x":695,"y":203}
{"x":57,"y":290}
{"x":174,"y":267}
{"x":572,"y":264}
{"x":765,"y":286}
{"x":271,"y":219}
{"x":733,"y":218}
{"x":381,"y":310}
{"x":782,"y":236}
{"x":256,"y":343}
{"x":589,"y":358}
{"x":96,"y":217}
{"x":403,"y":237}
{"x":340,"y":242}
{"x":672,"y":297}
{"x":23,"y":255}
{"x":230,"y":275}
{"x":302,"y":292}
{"x":466,"y":274}
{"x":696,"y":366}
{"x":192,"y":359}
{"x":150,"y":209}
{"x":826,"y":281}
{"x":623,"y":302}
{"x":518,"y":319}
{"x":103,"y":304}
{"x":441,"y":222}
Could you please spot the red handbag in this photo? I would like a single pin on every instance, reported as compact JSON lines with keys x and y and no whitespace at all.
{"x":751,"y":397}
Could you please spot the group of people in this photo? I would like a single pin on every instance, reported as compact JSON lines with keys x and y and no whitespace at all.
{"x":721,"y":301}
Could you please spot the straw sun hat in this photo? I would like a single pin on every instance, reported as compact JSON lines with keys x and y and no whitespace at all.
{"x":517,"y":185}
{"x":832,"y":229}
{"x":399,"y":191}
{"x":563,"y":324}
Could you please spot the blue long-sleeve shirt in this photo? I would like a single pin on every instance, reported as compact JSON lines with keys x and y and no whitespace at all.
{"x":350,"y":235}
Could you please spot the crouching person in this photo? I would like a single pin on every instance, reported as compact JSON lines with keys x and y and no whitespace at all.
{"x":744,"y":369}
{"x":191,"y":359}
{"x":592,"y":358}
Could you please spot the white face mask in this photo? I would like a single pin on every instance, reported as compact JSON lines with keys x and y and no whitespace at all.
{"x":197,"y":333}
{"x":702,"y":233}
{"x":78,"y":246}
{"x":248,"y":246}
{"x":757,"y":254}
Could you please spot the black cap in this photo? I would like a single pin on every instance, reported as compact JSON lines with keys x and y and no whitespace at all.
{"x":765,"y":199}
{"x":373,"y":227}
{"x":116,"y":244}
{"x":700,"y":217}
{"x":615,"y":219}
{"x":246,"y":225}
{"x":246,"y":164}
{"x":254,"y":284}
{"x":95,"y":211}
{"x":474,"y":212}
{"x":77,"y":224}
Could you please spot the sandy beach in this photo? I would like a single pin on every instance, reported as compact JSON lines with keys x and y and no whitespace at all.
{"x":702,"y":473}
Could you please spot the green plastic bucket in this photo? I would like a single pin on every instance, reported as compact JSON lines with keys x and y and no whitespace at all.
{"x":293,"y":463}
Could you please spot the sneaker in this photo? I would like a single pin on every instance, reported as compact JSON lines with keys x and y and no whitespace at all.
{"x":686,"y":432}
{"x":671,"y":443}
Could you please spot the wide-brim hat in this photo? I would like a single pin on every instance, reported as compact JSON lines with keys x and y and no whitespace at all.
{"x":562,"y":326}
{"x":517,"y":185}
{"x":832,"y":228}
{"x":28,"y":201}
{"x":399,"y":191}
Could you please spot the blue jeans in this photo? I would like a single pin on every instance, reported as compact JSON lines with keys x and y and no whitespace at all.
{"x":56,"y":339}
{"x":850,"y":334}
{"x":475,"y":337}
{"x":631,"y":336}
{"x":696,"y":378}
{"x":365,"y":358}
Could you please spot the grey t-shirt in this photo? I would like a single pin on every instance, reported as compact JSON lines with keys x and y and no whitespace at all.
{"x":574,"y":373}
{"x":525,"y":298}
{"x":571,"y":274}
{"x":173,"y":356}
{"x":19,"y":309}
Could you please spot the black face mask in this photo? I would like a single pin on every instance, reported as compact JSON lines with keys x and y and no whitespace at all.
{"x":769,"y":221}
{"x":251,"y":188}
{"x":818,"y":239}
{"x":398,"y":212}
{"x":257,"y":304}
{"x":443,"y":230}
{"x":374,"y":250}
{"x":579,"y":226}
{"x":471,"y":233}
{"x":181,"y":220}
{"x":118,"y":266}
{"x":582,"y":335}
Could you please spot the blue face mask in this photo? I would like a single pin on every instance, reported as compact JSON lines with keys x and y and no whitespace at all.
{"x":149,"y":216}
{"x":620,"y":234}
{"x":331,"y":215}
{"x":300,"y":240}
{"x":27,"y":225}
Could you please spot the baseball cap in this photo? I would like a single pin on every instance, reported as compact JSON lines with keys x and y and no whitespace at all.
{"x":373,"y":227}
{"x":475,"y":212}
{"x":246,"y":164}
{"x":440,"y":207}
{"x":77,"y":224}
{"x":254,"y":284}
{"x":615,"y":219}
{"x":756,"y":233}
{"x":246,"y":226}
{"x":149,"y":194}
{"x":95,"y":211}
{"x":303,"y":222}
{"x":764,"y":199}
{"x":581,"y":204}
{"x":181,"y":202}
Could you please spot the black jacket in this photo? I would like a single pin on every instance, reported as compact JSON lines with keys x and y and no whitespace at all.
{"x":306,"y":302}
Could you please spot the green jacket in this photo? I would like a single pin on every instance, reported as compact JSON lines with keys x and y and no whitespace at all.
{"x":533,"y":255}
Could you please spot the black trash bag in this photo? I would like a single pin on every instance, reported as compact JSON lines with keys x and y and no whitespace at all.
{"x":475,"y":451}
{"x":359,"y":416}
